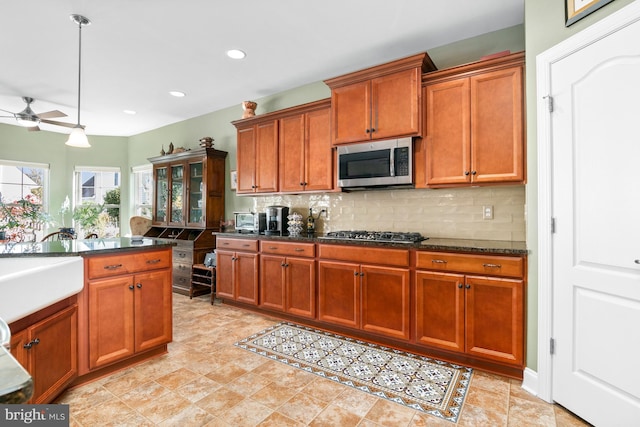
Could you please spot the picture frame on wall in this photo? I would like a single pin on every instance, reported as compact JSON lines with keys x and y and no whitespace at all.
{"x":575,"y":10}
{"x":234,"y":180}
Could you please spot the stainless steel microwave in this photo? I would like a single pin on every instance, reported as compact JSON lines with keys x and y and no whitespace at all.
{"x":376,"y":164}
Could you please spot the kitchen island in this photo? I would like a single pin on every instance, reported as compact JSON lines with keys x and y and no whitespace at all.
{"x":458,"y":300}
{"x":115,"y":310}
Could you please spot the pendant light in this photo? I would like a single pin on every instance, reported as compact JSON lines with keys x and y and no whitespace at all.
{"x":77,"y":137}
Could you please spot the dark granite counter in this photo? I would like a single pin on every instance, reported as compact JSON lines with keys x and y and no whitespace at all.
{"x":86,"y":247}
{"x":16,"y":385}
{"x":496,"y":247}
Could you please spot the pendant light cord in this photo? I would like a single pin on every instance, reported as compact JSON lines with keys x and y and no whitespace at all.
{"x":79,"y":64}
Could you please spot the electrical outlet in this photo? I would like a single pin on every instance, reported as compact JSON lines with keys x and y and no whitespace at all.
{"x":487,"y":212}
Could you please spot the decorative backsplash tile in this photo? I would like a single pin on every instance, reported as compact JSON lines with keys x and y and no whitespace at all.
{"x":447,"y":213}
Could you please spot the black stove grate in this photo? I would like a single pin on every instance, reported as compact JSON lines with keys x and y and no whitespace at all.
{"x":377,"y":236}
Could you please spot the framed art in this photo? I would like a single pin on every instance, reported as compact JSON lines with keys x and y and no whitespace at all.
{"x":234,"y":180}
{"x":575,"y":10}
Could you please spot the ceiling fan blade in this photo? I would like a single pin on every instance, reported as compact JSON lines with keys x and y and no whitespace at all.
{"x":51,"y":114}
{"x":10,"y":112}
{"x":7,"y":117}
{"x":53,"y":122}
{"x":33,"y":129}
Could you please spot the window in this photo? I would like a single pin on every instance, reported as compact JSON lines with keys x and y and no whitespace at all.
{"x":25,"y":181}
{"x":97,"y":201}
{"x":142,"y":190}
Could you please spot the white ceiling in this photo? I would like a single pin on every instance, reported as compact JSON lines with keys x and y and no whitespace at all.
{"x":136,"y":51}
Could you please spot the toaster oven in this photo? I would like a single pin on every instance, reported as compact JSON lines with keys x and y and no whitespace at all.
{"x":249,"y":222}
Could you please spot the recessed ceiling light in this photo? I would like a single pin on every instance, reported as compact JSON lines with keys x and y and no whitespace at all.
{"x":236,"y":54}
{"x":177,"y":93}
{"x":129,"y":112}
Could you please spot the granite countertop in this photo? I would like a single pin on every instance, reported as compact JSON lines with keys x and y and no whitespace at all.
{"x":80,"y":247}
{"x":496,"y":247}
{"x":16,"y":385}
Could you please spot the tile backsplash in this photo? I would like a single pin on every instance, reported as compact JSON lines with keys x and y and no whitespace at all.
{"x":448,"y":213}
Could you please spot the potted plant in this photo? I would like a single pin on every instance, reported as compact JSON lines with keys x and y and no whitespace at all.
{"x":64,"y":209}
{"x":87,"y":216}
{"x":8,"y":221}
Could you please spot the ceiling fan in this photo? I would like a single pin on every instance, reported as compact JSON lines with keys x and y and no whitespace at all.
{"x":29,"y":119}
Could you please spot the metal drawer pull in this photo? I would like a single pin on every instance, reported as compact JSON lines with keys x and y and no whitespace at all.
{"x":492,"y":265}
{"x":438,"y":261}
{"x":153,"y":261}
{"x":273,"y":247}
{"x":299,"y":250}
{"x":182,"y":254}
{"x":31,"y":343}
{"x":112,"y":267}
{"x":246,"y":245}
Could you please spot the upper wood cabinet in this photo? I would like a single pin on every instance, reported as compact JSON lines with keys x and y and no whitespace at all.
{"x":189,"y":188}
{"x":306,"y":153}
{"x":474,"y":125}
{"x":286,"y":151}
{"x":379,"y":102}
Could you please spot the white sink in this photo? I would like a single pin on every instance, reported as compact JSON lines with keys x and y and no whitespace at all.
{"x":29,"y":284}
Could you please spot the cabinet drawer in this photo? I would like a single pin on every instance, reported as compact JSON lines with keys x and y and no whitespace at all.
{"x":181,"y":281}
{"x":180,"y":269}
{"x":106,"y":266}
{"x":237,"y":244}
{"x":397,"y":257}
{"x":183,"y":255}
{"x":287,"y":248}
{"x":490,"y":265}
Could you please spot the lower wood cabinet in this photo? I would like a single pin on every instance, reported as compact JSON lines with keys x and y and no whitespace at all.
{"x":126,"y":307}
{"x":237,"y":270}
{"x":48,"y":351}
{"x":481,"y":316}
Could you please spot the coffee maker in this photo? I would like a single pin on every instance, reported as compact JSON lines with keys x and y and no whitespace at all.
{"x":276,"y":220}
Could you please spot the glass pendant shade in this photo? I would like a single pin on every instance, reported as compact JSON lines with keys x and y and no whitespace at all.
{"x":77,"y":138}
{"x":26,"y":122}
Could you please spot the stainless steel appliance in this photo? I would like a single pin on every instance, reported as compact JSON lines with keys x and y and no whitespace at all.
{"x":276,"y":220}
{"x":249,"y":222}
{"x":376,"y":164}
{"x":375,"y":236}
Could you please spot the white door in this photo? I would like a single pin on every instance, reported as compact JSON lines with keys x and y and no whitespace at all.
{"x":595,"y":149}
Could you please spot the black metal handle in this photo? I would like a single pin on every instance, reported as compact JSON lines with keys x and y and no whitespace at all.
{"x":31,"y":343}
{"x":355,"y":273}
{"x":139,"y":286}
{"x":467,"y":286}
{"x":492,"y":265}
{"x":473,"y":172}
{"x":131,"y":287}
{"x":112,"y":267}
{"x":459,"y":285}
{"x":438,"y":261}
{"x":153,"y":261}
{"x":367,"y":130}
{"x":361,"y":274}
{"x":466,"y":173}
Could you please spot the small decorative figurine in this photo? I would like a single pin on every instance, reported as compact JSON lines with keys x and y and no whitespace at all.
{"x":206,"y":142}
{"x":249,"y":108}
{"x":170,"y":148}
{"x":162,"y":153}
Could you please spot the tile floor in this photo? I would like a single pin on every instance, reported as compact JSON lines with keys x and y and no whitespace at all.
{"x":205,"y":380}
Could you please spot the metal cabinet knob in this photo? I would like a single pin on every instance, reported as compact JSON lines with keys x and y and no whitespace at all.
{"x":637,"y":261}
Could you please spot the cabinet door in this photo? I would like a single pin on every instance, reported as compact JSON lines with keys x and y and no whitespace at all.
{"x":196,"y":202}
{"x":177,"y":195}
{"x":300,"y":279}
{"x":54,"y":359}
{"x":272,"y":277}
{"x":246,"y":160}
{"x":153,"y":313}
{"x":396,"y":104}
{"x":351,"y":106}
{"x":267,"y":157}
{"x":385,"y":301}
{"x":318,"y":152}
{"x":246,"y":275}
{"x":111,"y":320}
{"x":497,"y":126}
{"x":448,"y":141}
{"x":495,"y":319}
{"x":339,"y":293}
{"x":161,"y":201}
{"x":224,"y":274}
{"x":440,"y":310}
{"x":18,"y":350}
{"x":292,"y":153}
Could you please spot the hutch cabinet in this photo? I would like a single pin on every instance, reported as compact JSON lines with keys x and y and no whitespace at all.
{"x":188,"y":205}
{"x":379,"y":102}
{"x":474,"y":131}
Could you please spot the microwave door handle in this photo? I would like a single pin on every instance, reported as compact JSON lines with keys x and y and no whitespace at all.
{"x":392,"y":162}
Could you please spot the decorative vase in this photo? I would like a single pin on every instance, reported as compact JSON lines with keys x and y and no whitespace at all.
{"x":249,"y":108}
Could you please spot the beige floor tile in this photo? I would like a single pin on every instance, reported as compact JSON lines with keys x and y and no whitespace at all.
{"x":246,"y":413}
{"x":323,"y":389}
{"x":278,"y":420}
{"x":104,"y":413}
{"x":144,"y":394}
{"x":177,"y":378}
{"x":356,"y":401}
{"x":565,"y":418}
{"x":475,"y":416}
{"x":390,"y":413}
{"x":273,"y":395}
{"x":333,"y":416}
{"x":524,"y":412}
{"x":190,"y":416}
{"x":221,"y":399}
{"x":302,"y":408}
{"x":198,"y":388}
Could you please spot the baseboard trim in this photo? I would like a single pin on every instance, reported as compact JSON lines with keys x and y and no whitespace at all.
{"x":530,"y":382}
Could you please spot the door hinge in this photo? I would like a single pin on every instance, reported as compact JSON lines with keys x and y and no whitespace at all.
{"x":549,"y":99}
{"x":552,"y":346}
{"x":553,"y":225}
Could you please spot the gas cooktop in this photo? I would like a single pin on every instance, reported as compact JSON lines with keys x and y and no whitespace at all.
{"x":376,"y":236}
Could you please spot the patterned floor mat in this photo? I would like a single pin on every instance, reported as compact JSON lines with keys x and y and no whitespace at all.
{"x":428,"y":385}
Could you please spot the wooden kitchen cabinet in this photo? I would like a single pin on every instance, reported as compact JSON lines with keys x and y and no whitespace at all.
{"x":379,"y":102}
{"x":287,"y":277}
{"x":474,"y":125}
{"x":481,"y":316}
{"x":306,"y":152}
{"x":365,"y":288}
{"x":257,"y":156}
{"x":237,"y":270}
{"x":48,"y":350}
{"x":127,"y":307}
